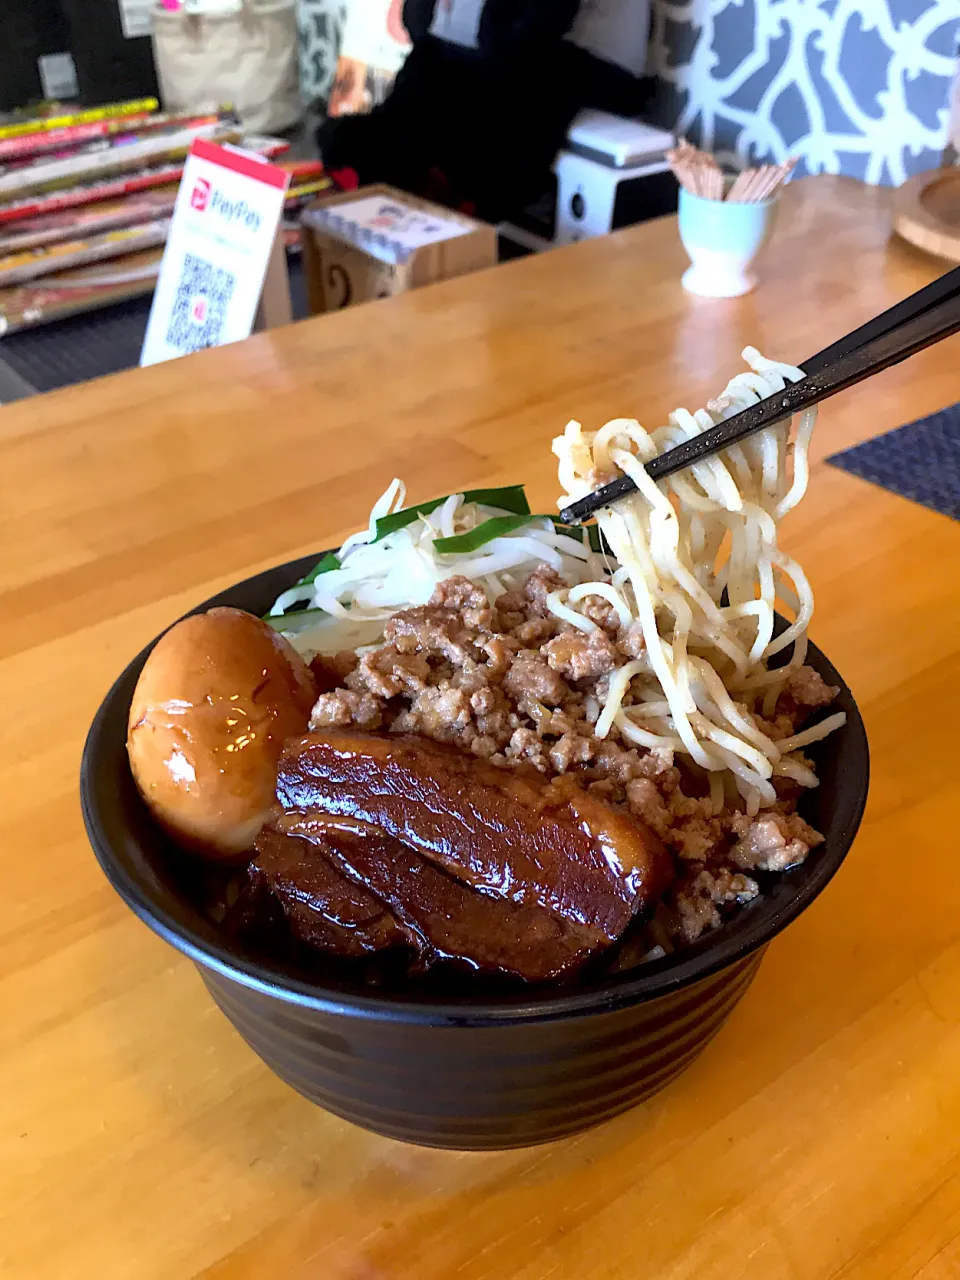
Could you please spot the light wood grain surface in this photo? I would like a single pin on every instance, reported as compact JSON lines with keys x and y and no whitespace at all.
{"x":819,"y":1135}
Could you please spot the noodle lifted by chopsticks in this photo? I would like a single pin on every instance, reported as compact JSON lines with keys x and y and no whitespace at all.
{"x":700,"y":572}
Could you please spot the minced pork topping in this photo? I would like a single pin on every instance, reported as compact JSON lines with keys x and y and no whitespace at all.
{"x":514,"y":684}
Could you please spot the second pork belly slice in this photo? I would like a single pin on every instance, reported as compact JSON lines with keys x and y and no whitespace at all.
{"x":324,"y":907}
{"x":439,"y":916}
{"x":506,"y":832}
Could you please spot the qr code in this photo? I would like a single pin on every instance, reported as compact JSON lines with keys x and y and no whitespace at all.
{"x":200,"y":307}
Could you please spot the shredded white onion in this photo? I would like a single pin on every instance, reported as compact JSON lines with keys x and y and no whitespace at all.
{"x":403,"y":569}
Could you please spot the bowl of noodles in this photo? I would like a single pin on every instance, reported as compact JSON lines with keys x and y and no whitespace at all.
{"x":551,"y":793}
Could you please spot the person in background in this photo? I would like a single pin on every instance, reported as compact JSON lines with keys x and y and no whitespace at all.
{"x":484,"y":99}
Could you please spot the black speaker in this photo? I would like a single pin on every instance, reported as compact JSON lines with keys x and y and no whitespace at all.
{"x":110,"y":67}
{"x":29,"y":30}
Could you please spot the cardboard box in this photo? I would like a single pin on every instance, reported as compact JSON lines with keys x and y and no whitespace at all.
{"x":351,"y":257}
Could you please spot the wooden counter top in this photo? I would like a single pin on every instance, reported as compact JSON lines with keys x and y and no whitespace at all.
{"x":140,"y":1139}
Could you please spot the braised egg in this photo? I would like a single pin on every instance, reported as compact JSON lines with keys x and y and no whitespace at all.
{"x":216,"y":699}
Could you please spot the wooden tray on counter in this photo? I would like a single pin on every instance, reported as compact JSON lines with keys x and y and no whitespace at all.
{"x":927,"y":212}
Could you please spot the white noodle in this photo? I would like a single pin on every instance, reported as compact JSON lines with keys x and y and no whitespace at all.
{"x":608,"y":592}
{"x":716,"y":792}
{"x":798,"y":772}
{"x":619,"y":683}
{"x":559,"y":609}
{"x":813,"y":734}
{"x":701,"y":572}
{"x":643,"y":737}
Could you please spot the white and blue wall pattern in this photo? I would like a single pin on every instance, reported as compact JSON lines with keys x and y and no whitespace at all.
{"x":850,"y":86}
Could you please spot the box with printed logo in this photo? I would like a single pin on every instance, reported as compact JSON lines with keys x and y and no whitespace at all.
{"x":362,"y":245}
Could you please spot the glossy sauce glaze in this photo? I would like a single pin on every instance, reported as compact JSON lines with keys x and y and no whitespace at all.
{"x":216,"y":699}
{"x":323,"y":907}
{"x":329,"y":875}
{"x":507,"y":832}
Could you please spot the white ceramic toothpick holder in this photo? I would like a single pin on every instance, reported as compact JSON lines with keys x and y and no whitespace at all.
{"x":722,"y":238}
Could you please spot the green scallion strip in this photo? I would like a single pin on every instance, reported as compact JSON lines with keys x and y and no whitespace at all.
{"x":325,"y":565}
{"x":495,"y":527}
{"x":298,"y":620}
{"x":509,"y":498}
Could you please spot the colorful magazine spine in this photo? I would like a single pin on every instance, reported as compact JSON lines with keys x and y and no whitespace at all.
{"x":303,"y":169}
{"x":91,"y":166}
{"x":76,"y":197}
{"x":41,"y":147}
{"x":95,"y":234}
{"x":83,"y":289}
{"x":111,"y":111}
{"x":23,"y":267}
{"x":94,"y":219}
{"x":31,"y":144}
{"x":297,"y":196}
{"x":40,"y":166}
{"x":114,"y":188}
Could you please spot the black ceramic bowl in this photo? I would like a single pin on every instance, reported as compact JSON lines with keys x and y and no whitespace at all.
{"x":476,"y":1070}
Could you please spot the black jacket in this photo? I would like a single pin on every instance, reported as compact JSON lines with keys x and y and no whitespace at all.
{"x":507,"y":27}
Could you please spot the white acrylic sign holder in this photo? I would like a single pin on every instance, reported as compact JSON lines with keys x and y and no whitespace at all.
{"x":223,"y":270}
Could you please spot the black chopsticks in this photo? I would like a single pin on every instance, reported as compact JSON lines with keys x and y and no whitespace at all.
{"x":917,"y":322}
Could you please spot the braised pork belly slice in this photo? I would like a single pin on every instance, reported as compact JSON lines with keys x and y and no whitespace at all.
{"x":507,"y":832}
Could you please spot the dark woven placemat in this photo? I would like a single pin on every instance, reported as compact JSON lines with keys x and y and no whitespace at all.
{"x":920,"y":461}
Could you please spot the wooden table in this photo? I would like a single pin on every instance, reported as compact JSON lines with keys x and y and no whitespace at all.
{"x":819,"y":1135}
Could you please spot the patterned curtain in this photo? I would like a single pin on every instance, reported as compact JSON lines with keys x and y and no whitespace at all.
{"x":860,"y":87}
{"x":321,"y":25}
